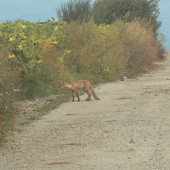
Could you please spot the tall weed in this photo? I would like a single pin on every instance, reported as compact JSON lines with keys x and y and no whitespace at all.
{"x":9,"y":89}
{"x":109,"y":52}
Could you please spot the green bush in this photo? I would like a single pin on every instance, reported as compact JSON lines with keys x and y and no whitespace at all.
{"x":27,"y":43}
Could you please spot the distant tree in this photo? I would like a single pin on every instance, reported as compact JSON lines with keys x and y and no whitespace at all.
{"x":107,"y":11}
{"x":75,"y":10}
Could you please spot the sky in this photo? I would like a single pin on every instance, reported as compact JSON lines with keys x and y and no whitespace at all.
{"x":42,"y":10}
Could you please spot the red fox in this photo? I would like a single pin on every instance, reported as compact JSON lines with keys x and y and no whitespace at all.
{"x":80,"y":84}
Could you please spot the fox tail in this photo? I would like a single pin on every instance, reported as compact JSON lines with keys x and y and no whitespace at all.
{"x":93,"y":93}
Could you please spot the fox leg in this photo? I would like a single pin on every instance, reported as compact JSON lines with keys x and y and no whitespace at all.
{"x":88,"y":93}
{"x":72,"y":95}
{"x":77,"y":95}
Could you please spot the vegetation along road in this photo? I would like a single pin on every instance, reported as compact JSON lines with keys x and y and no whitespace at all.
{"x":128,"y":128}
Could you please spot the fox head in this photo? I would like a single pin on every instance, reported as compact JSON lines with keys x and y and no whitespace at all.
{"x":65,"y":85}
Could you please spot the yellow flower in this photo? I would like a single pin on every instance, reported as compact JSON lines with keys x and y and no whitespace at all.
{"x":11,"y":39}
{"x":22,"y":34}
{"x":56,"y":28}
{"x":69,"y":51}
{"x":56,"y":22}
{"x":55,"y":42}
{"x":24,"y":27}
{"x":23,"y":42}
{"x":11,"y":56}
{"x":40,"y":61}
{"x":63,"y":23}
{"x":19,"y":47}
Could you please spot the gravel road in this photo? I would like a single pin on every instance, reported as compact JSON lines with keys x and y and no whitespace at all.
{"x":128,"y":129}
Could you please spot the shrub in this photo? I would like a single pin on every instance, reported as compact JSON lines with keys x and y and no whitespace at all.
{"x":109,"y":52}
{"x":26,"y":42}
{"x":9,"y":87}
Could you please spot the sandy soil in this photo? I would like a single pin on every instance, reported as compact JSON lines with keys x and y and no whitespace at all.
{"x":128,"y":129}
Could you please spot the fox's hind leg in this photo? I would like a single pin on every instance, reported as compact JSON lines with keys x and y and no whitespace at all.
{"x":88,"y":93}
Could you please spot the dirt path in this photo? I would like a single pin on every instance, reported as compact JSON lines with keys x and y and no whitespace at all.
{"x":128,"y":129}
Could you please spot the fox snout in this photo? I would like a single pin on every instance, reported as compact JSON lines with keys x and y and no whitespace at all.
{"x":60,"y":87}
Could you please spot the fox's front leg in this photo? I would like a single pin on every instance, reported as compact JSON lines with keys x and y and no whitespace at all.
{"x":77,"y":95}
{"x":72,"y":95}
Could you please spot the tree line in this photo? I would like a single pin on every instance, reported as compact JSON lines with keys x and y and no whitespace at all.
{"x":108,"y":11}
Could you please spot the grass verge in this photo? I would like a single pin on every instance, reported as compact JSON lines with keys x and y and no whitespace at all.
{"x":44,"y":109}
{"x":6,"y":126}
